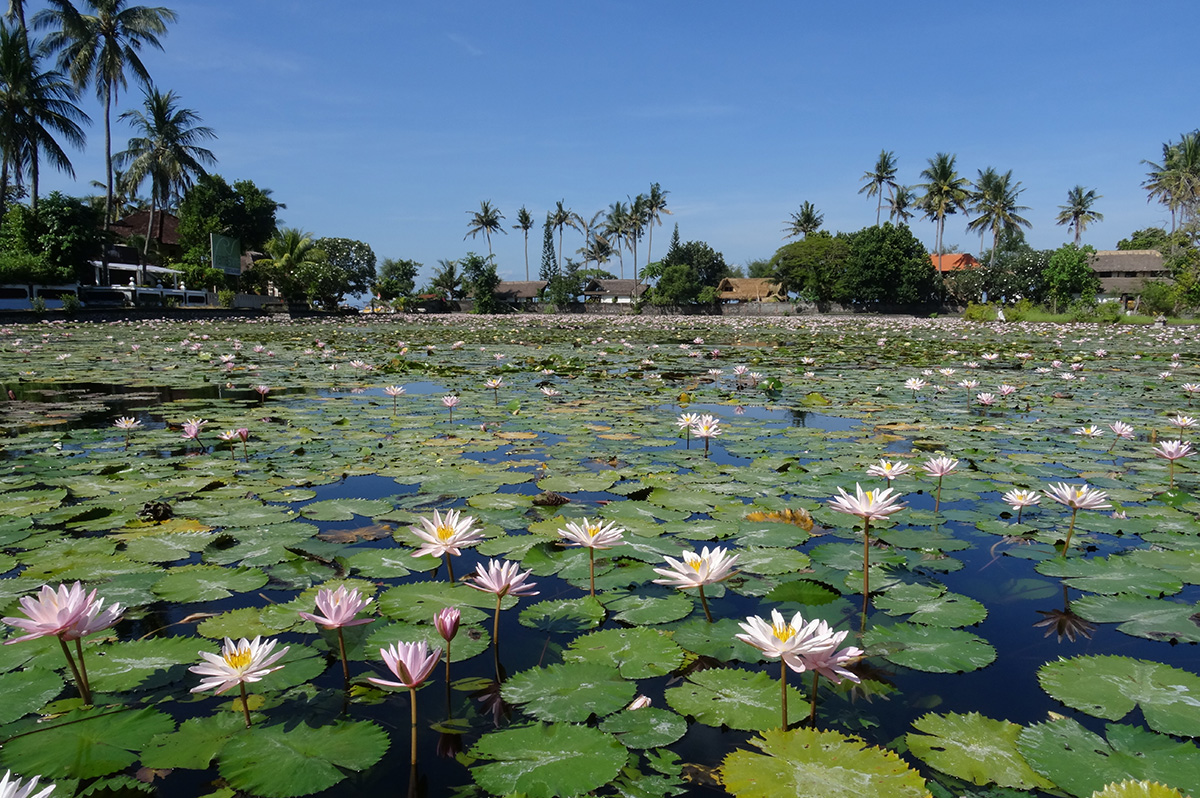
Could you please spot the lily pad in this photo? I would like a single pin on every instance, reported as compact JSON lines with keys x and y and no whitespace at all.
{"x":638,"y":653}
{"x":932,"y":649}
{"x":974,"y":748}
{"x":572,"y":692}
{"x":85,"y":744}
{"x":649,"y":727}
{"x":731,"y":697}
{"x":547,"y":760}
{"x":1111,"y":687}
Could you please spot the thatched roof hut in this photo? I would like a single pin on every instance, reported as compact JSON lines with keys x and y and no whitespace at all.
{"x":614,"y":290}
{"x":519,"y":290}
{"x":750,"y":289}
{"x":1126,"y":271}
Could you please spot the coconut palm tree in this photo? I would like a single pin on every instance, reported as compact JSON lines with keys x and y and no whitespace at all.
{"x":561,"y":217}
{"x":1077,"y":214}
{"x":525,"y":224}
{"x":447,"y":280}
{"x":883,"y":175}
{"x":1176,"y":181}
{"x":616,"y":223}
{"x":588,"y":227}
{"x":945,"y":192}
{"x":900,"y":205}
{"x":997,"y":206}
{"x":166,"y":150}
{"x":639,"y":219}
{"x":35,"y":107}
{"x":288,"y":252}
{"x":985,"y":186}
{"x":101,"y":48}
{"x":486,"y":220}
{"x":807,"y":220}
{"x":656,"y":205}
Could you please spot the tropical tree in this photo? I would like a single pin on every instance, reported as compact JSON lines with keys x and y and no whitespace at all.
{"x":656,"y":205}
{"x":397,"y":278}
{"x":480,"y":278}
{"x":945,"y":193}
{"x":638,"y":220}
{"x":166,"y":150}
{"x":486,"y":220}
{"x":35,"y":107}
{"x":807,"y":220}
{"x":616,"y":225}
{"x":883,"y":175}
{"x":995,"y":202}
{"x":1176,"y":181}
{"x":1077,"y":214}
{"x":447,"y":281}
{"x":101,"y":48}
{"x":561,"y":217}
{"x":525,"y":224}
{"x":289,"y":254}
{"x":549,"y":268}
{"x":589,"y":228}
{"x":900,"y":205}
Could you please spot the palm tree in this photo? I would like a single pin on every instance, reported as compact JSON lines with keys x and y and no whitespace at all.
{"x":486,"y":220}
{"x":287,"y":253}
{"x":525,"y":224}
{"x":985,"y":187}
{"x":900,"y":205}
{"x":638,"y":220}
{"x":997,"y":207}
{"x":884,"y":174}
{"x":447,"y":280}
{"x":101,"y":48}
{"x":167,"y":151}
{"x":616,"y":223}
{"x":588,"y":227}
{"x":561,"y":217}
{"x":807,"y":220}
{"x":1176,"y":181}
{"x":656,"y":205}
{"x":1077,"y":214}
{"x":945,"y":192}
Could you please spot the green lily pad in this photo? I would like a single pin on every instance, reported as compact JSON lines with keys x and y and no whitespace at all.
{"x":926,"y":648}
{"x":731,"y":697}
{"x":195,"y":744}
{"x":814,"y":764}
{"x":649,"y":727}
{"x":281,"y":762}
{"x":547,"y":760}
{"x":1082,"y":762}
{"x":568,"y":615}
{"x":121,"y":667}
{"x":418,"y":602}
{"x":85,"y":744}
{"x":638,"y":653}
{"x":1111,"y":575}
{"x":974,"y":748}
{"x":1138,"y":789}
{"x":27,"y":691}
{"x":931,"y":605}
{"x":1111,"y":687}
{"x":642,"y":610}
{"x":1143,"y":616}
{"x":345,"y":509}
{"x":572,"y":692}
{"x":193,"y":583}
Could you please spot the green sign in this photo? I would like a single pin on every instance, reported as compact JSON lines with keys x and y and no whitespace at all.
{"x":226,"y":254}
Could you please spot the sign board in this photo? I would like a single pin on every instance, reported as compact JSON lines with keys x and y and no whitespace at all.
{"x":226,"y":254}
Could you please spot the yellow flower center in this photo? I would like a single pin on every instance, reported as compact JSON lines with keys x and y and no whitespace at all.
{"x":593,"y":530}
{"x":445,"y":532}
{"x":696,"y":564}
{"x":784,"y":632}
{"x":238,"y":658}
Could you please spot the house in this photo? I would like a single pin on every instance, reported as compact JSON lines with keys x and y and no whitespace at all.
{"x":621,"y":292}
{"x":954,"y":262}
{"x":164,"y":230}
{"x":750,"y":289}
{"x":1123,"y":272}
{"x":519,"y":292}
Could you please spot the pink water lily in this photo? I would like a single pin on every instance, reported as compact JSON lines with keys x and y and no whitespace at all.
{"x":239,"y":663}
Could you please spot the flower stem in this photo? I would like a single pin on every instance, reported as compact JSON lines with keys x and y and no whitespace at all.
{"x":449,"y":568}
{"x":937,"y":501}
{"x":1070,"y":531}
{"x":245,"y":704}
{"x":783,"y":691}
{"x":80,"y":682}
{"x":866,"y":571}
{"x":592,"y":569}
{"x":812,"y":716}
{"x":342,"y":651}
{"x":704,"y":604}
{"x":496,"y":638}
{"x":412,"y":700}
{"x":87,"y":683}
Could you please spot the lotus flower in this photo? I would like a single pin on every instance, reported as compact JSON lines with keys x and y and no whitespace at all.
{"x":697,"y":570}
{"x":239,"y":663}
{"x":592,"y":535}
{"x":1077,"y":498}
{"x":1172,"y":451}
{"x":446,"y":535}
{"x":15,"y":788}
{"x":869,"y":506}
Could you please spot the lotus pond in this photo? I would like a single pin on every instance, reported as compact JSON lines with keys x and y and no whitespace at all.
{"x":999,"y":659}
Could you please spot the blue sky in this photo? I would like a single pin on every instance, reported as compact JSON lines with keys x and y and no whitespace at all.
{"x":390,"y":121}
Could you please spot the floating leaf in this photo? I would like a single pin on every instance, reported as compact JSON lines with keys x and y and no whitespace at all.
{"x":1081,"y":762}
{"x":85,"y":744}
{"x":974,"y":748}
{"x":569,"y":615}
{"x":281,"y":762}
{"x":1138,"y":789}
{"x":644,"y":610}
{"x":926,"y":648}
{"x":572,"y":692}
{"x":345,"y":509}
{"x":121,"y":667}
{"x":814,"y":764}
{"x":193,"y":583}
{"x":26,"y":691}
{"x":556,"y":760}
{"x":731,"y":697}
{"x":1111,"y":687}
{"x":637,"y":653}
{"x":195,"y":744}
{"x":649,"y":727}
{"x":931,"y":605}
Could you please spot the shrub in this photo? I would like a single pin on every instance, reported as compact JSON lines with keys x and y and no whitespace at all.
{"x":977,"y":312}
{"x":1020,"y":310}
{"x":1109,"y":312}
{"x":1157,"y":298}
{"x":38,"y":304}
{"x":71,"y":304}
{"x":226,"y":298}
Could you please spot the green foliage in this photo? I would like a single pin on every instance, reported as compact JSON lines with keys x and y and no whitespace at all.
{"x":71,"y":304}
{"x":38,"y":304}
{"x":976,"y":312}
{"x":1069,"y":273}
{"x":887,"y":264}
{"x":549,"y":268}
{"x":23,"y":268}
{"x":810,"y":267}
{"x":974,"y":748}
{"x":226,"y":297}
{"x":564,"y":288}
{"x":684,"y":272}
{"x":1158,"y":298}
{"x":281,"y":762}
{"x":547,"y":760}
{"x":355,"y":258}
{"x":64,"y":234}
{"x":479,"y":274}
{"x":397,"y":278}
{"x":1149,"y":238}
{"x":242,"y":211}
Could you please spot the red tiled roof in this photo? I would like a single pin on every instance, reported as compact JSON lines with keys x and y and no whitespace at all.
{"x":954,"y":262}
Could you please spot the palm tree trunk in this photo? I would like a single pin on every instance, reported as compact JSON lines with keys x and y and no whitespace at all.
{"x":649,"y":243}
{"x":879,"y":207}
{"x":108,"y":197}
{"x":560,"y":250}
{"x":149,"y":224}
{"x":33,"y":177}
{"x":526,"y":256}
{"x":1077,"y":233}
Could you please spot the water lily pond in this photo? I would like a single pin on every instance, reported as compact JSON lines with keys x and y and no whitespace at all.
{"x":1009,"y":649}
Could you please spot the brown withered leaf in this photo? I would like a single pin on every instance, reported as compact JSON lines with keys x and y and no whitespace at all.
{"x":372,"y":532}
{"x":798,"y":517}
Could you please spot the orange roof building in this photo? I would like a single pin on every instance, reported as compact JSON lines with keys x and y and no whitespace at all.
{"x":954,"y":262}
